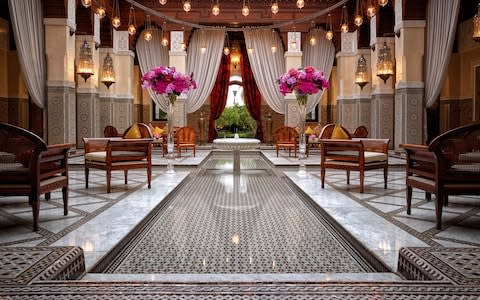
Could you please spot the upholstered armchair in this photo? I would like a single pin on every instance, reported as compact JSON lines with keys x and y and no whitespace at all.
{"x":286,"y":138}
{"x":30,"y":167}
{"x":357,"y":154}
{"x":132,"y":151}
{"x":185,"y":137}
{"x":449,"y":165}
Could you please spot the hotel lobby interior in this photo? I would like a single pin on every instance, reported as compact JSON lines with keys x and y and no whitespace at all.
{"x":363,"y":183}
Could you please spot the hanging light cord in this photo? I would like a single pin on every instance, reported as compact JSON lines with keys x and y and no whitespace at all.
{"x":196,"y":25}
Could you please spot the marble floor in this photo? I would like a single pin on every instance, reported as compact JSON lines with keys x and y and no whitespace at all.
{"x":97,"y":221}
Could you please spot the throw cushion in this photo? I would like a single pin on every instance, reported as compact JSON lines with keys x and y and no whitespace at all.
{"x":133,"y":132}
{"x":157,"y":131}
{"x":309,"y":131}
{"x":339,"y":133}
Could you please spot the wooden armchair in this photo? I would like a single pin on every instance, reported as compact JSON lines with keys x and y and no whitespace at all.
{"x":30,"y":167}
{"x":110,"y":131}
{"x":185,"y":137}
{"x":449,"y":165}
{"x":286,"y":138}
{"x":352,"y":155}
{"x":125,"y":153}
{"x":360,"y":132}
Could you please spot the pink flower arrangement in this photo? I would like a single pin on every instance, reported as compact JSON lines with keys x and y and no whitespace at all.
{"x":166,"y":80}
{"x":304,"y":81}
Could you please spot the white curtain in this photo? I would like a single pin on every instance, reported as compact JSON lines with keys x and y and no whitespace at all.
{"x":441,"y":24}
{"x":153,"y":54}
{"x":267,"y":67}
{"x":204,"y":66}
{"x":321,"y":56}
{"x":27,"y":23}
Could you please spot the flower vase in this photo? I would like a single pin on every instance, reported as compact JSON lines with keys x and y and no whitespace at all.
{"x":170,"y":134}
{"x":302,"y":143}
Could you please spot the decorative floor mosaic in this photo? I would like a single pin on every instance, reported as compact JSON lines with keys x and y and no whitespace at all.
{"x":223,"y":223}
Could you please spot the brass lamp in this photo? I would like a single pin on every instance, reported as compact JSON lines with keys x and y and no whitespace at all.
{"x":85,"y":61}
{"x":361,"y":75}
{"x":384,"y":63}
{"x":476,"y":25}
{"x":108,"y":74}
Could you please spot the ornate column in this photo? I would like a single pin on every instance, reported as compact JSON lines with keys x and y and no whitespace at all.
{"x":293,"y":59}
{"x":178,"y":59}
{"x":61,"y":103}
{"x":409,"y":87}
{"x":353,"y":103}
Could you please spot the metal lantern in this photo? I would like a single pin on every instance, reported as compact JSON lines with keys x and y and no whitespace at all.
{"x":108,"y":74}
{"x":85,"y":62}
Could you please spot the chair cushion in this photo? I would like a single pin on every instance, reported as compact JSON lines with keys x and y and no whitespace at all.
{"x":309,"y":131}
{"x":339,"y":133}
{"x":157,"y":131}
{"x":368,"y":156}
{"x":101,"y":156}
{"x":133,"y":133}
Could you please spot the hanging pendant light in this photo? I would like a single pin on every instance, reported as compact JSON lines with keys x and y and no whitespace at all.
{"x":86,"y":3}
{"x":245,"y":9}
{"x":371,"y":11}
{"x":329,"y":34}
{"x":85,"y":61}
{"x":274,"y":7}
{"x":182,"y":44}
{"x":311,"y":33}
{"x":358,"y":20}
{"x":274,"y":45}
{"x":203,"y":46}
{"x":293,"y":43}
{"x":382,"y":2}
{"x":132,"y":23}
{"x":300,"y":3}
{"x":226,"y":48}
{"x":147,"y":33}
{"x":384,"y":63}
{"x":187,"y":5}
{"x":162,"y":2}
{"x":101,"y":9}
{"x":164,"y":34}
{"x":116,"y":22}
{"x":344,"y":20}
{"x":361,"y":75}
{"x":216,"y":8}
{"x":108,"y":74}
{"x":476,"y":25}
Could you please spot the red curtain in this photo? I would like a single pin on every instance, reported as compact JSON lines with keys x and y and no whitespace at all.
{"x":218,"y":97}
{"x":251,"y":94}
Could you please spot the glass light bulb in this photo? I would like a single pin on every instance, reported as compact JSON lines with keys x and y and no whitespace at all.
{"x":183,"y":46}
{"x":358,"y":20}
{"x":382,"y":2}
{"x":116,"y":22}
{"x":274,"y":8}
{"x":371,"y":11}
{"x":187,"y":6}
{"x":131,"y":29}
{"x":274,"y":49}
{"x":101,"y":12}
{"x":293,"y":45}
{"x":226,"y":50}
{"x":215,"y":10}
{"x":300,"y":3}
{"x":162,"y":2}
{"x":147,"y":36}
{"x":203,"y":49}
{"x":344,"y":28}
{"x":329,"y":35}
{"x":87,"y":3}
{"x":164,"y":42}
{"x":250,"y":50}
{"x":245,"y":11}
{"x":313,"y":40}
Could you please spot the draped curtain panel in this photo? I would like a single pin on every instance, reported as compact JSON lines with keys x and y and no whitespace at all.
{"x":267,"y":66}
{"x":442,"y":18}
{"x":218,"y":97}
{"x":152,"y":54}
{"x":321,"y":56}
{"x":203,"y":66}
{"x":251,"y":94}
{"x":27,"y":23}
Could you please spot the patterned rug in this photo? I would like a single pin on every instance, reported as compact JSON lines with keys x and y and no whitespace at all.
{"x":224,"y":223}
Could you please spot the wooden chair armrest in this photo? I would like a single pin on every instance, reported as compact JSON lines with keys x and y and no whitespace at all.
{"x":375,"y":145}
{"x":414,"y":147}
{"x":95,"y":144}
